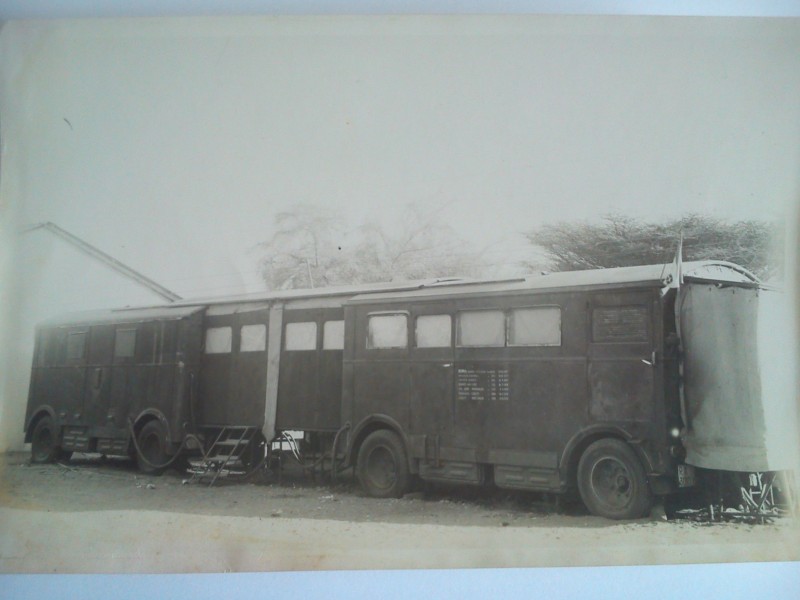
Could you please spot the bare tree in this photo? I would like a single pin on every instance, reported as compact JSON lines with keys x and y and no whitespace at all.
{"x":421,"y":245}
{"x":305,"y":251}
{"x":312,"y":248}
{"x":620,"y":241}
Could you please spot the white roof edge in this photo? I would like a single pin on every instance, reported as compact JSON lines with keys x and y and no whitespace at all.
{"x":120,"y":315}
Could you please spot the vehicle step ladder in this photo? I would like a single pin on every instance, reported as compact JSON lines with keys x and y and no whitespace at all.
{"x":224,"y":456}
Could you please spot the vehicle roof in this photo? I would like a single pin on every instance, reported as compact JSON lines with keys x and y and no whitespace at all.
{"x":345,"y":291}
{"x":664,"y":275}
{"x":122,"y":315}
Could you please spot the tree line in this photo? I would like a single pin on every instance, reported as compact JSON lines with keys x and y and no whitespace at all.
{"x":313,"y":247}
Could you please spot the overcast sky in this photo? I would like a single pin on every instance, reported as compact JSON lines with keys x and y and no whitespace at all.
{"x":171,"y":143}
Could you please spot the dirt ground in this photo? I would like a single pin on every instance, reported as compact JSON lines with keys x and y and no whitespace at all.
{"x":102,"y":516}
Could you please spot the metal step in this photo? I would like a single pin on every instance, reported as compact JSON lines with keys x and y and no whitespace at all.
{"x":224,"y":454}
{"x":223,"y":458}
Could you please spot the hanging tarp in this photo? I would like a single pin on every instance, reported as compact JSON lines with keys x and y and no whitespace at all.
{"x":738,"y":378}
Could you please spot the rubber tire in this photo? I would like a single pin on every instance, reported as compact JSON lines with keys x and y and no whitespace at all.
{"x":152,"y":440}
{"x":383,"y":450}
{"x":44,"y":442}
{"x":619,"y":461}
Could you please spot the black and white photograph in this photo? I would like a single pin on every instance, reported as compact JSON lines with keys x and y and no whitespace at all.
{"x":313,"y":290}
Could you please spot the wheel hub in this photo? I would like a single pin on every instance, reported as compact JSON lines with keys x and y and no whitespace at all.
{"x":612,"y":482}
{"x":381,"y":468}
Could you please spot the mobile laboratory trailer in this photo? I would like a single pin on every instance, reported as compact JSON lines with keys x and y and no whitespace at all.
{"x":609,"y":381}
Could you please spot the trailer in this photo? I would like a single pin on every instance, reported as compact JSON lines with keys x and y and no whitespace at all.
{"x":581,"y":381}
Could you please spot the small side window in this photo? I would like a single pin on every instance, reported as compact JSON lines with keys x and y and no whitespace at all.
{"x":301,"y":336}
{"x":620,"y":324}
{"x":333,"y":335}
{"x":124,"y":343}
{"x":76,"y":345}
{"x":535,"y":327}
{"x":218,"y":340}
{"x":254,"y":338}
{"x":482,"y":328}
{"x":147,"y":343}
{"x":387,"y":331}
{"x":169,"y":341}
{"x":55,"y":347}
{"x":433,"y":331}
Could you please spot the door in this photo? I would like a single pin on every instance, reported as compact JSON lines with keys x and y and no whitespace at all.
{"x":97,"y":393}
{"x":248,"y":377}
{"x":432,"y":368}
{"x":215,"y":370}
{"x":622,"y":357}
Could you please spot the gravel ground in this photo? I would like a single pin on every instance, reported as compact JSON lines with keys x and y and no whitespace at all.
{"x":101,"y":516}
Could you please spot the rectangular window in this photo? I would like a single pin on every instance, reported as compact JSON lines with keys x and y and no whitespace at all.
{"x":433,"y":331}
{"x":218,"y":340}
{"x":333,"y":335}
{"x":301,"y":336}
{"x":387,"y":331}
{"x":169,"y":341}
{"x":620,"y":324}
{"x":124,"y":343}
{"x":147,"y":343}
{"x":55,"y":346}
{"x":101,"y":345}
{"x":482,"y":328}
{"x":76,"y":345}
{"x":253,"y":338}
{"x":535,"y":327}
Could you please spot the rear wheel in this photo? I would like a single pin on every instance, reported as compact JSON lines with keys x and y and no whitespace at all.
{"x":152,"y":456}
{"x":383,"y":465}
{"x":612,"y":481}
{"x":44,"y":441}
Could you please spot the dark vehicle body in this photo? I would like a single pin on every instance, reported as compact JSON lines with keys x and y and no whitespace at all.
{"x":94,"y":373}
{"x":549,"y":383}
{"x":522,"y":413}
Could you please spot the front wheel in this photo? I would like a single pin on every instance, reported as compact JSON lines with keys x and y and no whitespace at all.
{"x":612,"y":481}
{"x":44,"y":441}
{"x":382,"y":466}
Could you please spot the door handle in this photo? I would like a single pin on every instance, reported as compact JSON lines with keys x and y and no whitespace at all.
{"x":652,"y":361}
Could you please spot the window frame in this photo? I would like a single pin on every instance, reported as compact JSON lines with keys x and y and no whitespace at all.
{"x":74,"y":360}
{"x":286,"y":336}
{"x":262,"y":347}
{"x":324,"y":336}
{"x":648,"y":325}
{"x":415,"y":336}
{"x":387,"y":313}
{"x":218,"y":352}
{"x":510,"y":317}
{"x":125,"y":357}
{"x":459,"y":313}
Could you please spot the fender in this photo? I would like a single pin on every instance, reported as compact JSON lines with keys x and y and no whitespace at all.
{"x":371,"y":420}
{"x":153,"y":412}
{"x":601,"y":430}
{"x":44,"y":408}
